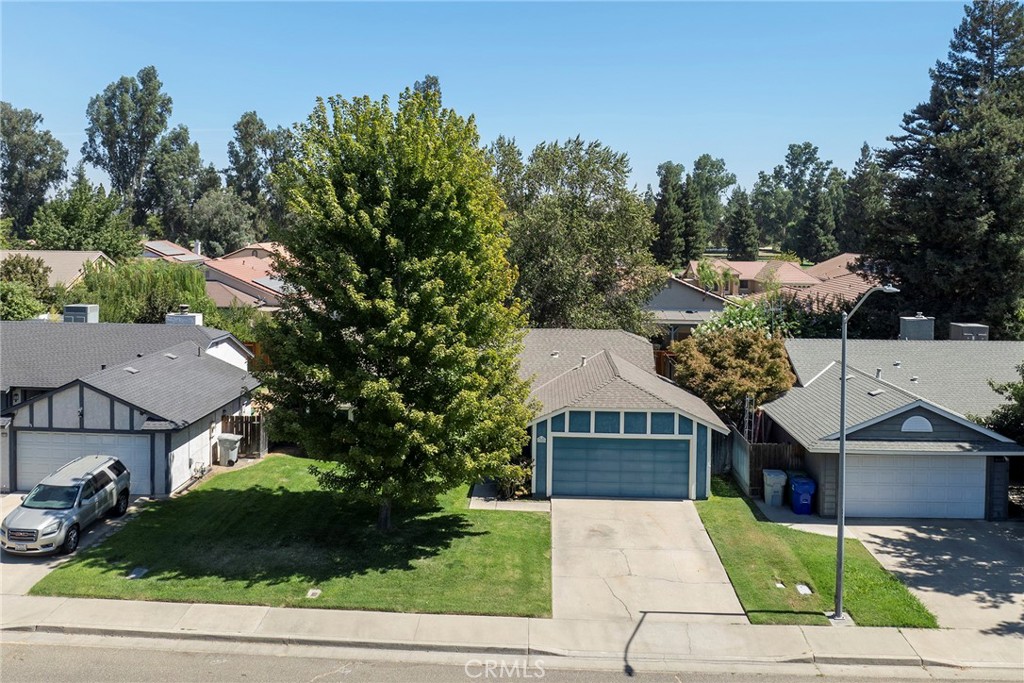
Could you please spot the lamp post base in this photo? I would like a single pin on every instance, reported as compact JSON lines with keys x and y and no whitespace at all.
{"x":843,"y":619}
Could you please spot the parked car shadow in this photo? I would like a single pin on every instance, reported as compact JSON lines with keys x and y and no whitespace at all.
{"x":267,"y":536}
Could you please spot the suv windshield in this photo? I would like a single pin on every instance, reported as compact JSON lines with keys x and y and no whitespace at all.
{"x":45,"y":497}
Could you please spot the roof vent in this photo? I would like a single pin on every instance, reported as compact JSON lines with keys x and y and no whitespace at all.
{"x":897,"y":364}
{"x":131,"y":370}
{"x":878,"y":373}
{"x":170,"y":355}
{"x":583,"y":361}
{"x":914,"y":378}
{"x":554,"y":354}
{"x":876,"y":392}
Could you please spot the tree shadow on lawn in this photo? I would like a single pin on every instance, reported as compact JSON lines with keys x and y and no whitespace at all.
{"x":271,"y":536}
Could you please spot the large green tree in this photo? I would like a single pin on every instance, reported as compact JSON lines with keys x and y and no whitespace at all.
{"x":668,"y":247}
{"x":814,"y":238}
{"x":710,"y":179}
{"x":1008,"y":419}
{"x":17,"y":301}
{"x":744,"y":239}
{"x":32,"y":271}
{"x":770,"y":201}
{"x":398,"y":311}
{"x":125,"y":122}
{"x":85,"y":217}
{"x":581,"y":238}
{"x":174,"y":181}
{"x":253,"y":154}
{"x":865,"y":205}
{"x":955,"y":238}
{"x":222,"y":221}
{"x":31,"y":164}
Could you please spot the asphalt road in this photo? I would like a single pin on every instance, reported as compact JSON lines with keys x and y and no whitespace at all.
{"x":53,"y":661}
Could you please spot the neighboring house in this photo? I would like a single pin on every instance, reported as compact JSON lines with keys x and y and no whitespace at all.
{"x":911,"y":449}
{"x":262,"y":250}
{"x":608,"y":426}
{"x":750,"y":277}
{"x":681,"y":306}
{"x":66,"y":267}
{"x":169,"y":251}
{"x":244,"y":280}
{"x":153,"y":395}
{"x":837,"y":266}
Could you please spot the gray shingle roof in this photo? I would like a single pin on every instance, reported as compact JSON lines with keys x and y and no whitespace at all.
{"x":810,"y":413}
{"x":952,"y":374}
{"x":179,"y":390}
{"x":48,"y":355}
{"x":538,"y":359}
{"x":609,"y":381}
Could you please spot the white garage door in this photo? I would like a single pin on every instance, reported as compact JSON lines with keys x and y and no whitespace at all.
{"x":40,"y":453}
{"x":933,"y":486}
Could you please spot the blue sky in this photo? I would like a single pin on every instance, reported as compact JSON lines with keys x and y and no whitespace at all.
{"x":658,"y":81}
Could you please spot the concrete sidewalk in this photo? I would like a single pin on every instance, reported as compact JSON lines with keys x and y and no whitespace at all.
{"x":655,"y":637}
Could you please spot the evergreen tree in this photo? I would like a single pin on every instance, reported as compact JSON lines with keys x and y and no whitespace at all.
{"x":815,"y":235}
{"x":770,"y":202}
{"x":955,"y":239}
{"x":744,"y":237}
{"x":865,"y":205}
{"x":31,"y":164}
{"x":692,"y":224}
{"x":710,"y":179}
{"x":668,"y":215}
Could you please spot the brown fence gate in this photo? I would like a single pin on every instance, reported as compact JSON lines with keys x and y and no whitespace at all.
{"x":253,"y":431}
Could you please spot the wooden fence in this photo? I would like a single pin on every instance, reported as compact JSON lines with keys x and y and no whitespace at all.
{"x":252,"y":429}
{"x":750,"y":460}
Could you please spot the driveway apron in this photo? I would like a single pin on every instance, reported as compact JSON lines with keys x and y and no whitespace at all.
{"x":969,"y":574}
{"x":622,"y":559}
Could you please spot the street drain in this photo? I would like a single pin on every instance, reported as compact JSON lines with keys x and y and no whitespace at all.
{"x":802,"y":589}
{"x":313,"y":593}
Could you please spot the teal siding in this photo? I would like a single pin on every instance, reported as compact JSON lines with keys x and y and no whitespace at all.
{"x":702,"y":461}
{"x":685,"y":425}
{"x":541,"y":461}
{"x":623,"y":468}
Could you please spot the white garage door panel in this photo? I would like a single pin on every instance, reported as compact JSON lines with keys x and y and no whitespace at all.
{"x":40,"y":453}
{"x":915,"y":486}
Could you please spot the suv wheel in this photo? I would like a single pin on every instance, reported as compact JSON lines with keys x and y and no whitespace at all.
{"x":70,"y":540}
{"x":121,"y":506}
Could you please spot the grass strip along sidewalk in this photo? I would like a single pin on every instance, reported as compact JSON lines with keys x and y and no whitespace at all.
{"x":758,"y":554}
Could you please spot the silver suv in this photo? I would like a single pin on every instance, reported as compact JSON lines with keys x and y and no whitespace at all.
{"x":52,"y":516}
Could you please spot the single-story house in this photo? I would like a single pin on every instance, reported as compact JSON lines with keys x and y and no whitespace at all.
{"x":66,"y":267}
{"x":153,"y":395}
{"x":680,"y":306}
{"x":262,"y":250}
{"x":912,"y":448}
{"x":751,"y":277}
{"x":241,"y":279}
{"x":608,"y":425}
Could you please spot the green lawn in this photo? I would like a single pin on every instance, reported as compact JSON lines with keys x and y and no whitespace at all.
{"x":266,"y":534}
{"x":757,"y":554}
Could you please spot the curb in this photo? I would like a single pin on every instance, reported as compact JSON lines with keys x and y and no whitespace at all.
{"x":842,"y":660}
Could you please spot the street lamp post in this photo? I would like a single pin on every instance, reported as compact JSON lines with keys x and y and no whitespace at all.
{"x":841,"y":493}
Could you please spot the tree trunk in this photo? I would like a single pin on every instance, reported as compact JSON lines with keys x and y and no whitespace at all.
{"x":384,"y":516}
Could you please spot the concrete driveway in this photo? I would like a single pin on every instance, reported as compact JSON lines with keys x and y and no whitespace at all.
{"x":616,"y":559}
{"x":19,"y":574}
{"x":970,"y":574}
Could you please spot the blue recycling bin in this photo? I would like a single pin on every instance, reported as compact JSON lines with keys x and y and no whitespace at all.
{"x":801,"y":493}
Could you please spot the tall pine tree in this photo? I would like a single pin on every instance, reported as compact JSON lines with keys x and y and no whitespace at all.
{"x":668,"y":215}
{"x":955,"y":241}
{"x":865,"y":205}
{"x":815,"y":235}
{"x":692,"y":226}
{"x":743,"y":236}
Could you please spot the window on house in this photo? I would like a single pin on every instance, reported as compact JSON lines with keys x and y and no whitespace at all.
{"x":917,"y":424}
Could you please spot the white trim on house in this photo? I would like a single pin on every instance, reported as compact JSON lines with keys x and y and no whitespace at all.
{"x":927,"y":405}
{"x":533,"y":461}
{"x":707,"y":464}
{"x":693,"y":468}
{"x":550,"y":457}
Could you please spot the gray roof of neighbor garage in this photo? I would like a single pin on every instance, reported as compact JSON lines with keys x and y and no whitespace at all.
{"x":180,"y":384}
{"x":44,"y":355}
{"x":548,"y":353}
{"x":952,"y":374}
